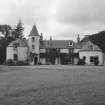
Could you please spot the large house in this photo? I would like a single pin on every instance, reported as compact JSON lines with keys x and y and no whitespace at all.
{"x":36,"y":50}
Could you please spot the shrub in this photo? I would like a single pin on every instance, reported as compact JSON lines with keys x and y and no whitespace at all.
{"x":20,"y":63}
{"x":96,"y":62}
{"x":81,"y":62}
{"x":9,"y":62}
{"x":39,"y":63}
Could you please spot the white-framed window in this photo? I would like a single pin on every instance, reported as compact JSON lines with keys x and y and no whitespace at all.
{"x":70,"y":43}
{"x":93,"y":58}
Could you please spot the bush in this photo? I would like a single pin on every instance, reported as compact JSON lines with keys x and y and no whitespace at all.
{"x":21,"y":63}
{"x":39,"y":63}
{"x":81,"y":62}
{"x":9,"y":62}
{"x":96,"y":62}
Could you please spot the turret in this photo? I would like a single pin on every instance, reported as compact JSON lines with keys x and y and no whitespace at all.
{"x":34,"y":40}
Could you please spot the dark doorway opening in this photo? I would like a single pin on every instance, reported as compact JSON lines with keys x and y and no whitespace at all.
{"x":35,"y":60}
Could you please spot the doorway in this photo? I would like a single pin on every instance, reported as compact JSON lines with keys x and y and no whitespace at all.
{"x":35,"y":60}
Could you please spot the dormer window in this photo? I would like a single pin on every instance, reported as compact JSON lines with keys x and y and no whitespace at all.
{"x":70,"y":43}
{"x":33,"y":39}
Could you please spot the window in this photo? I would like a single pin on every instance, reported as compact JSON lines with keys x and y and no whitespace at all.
{"x":93,"y":58}
{"x":33,"y":47}
{"x":33,"y":39}
{"x":70,"y":43}
{"x":15,"y":57}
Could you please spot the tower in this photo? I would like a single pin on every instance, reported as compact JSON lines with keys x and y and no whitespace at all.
{"x":33,"y":43}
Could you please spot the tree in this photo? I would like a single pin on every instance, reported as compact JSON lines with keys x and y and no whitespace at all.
{"x":4,"y":40}
{"x":18,"y":31}
{"x":3,"y":44}
{"x":6,"y":31}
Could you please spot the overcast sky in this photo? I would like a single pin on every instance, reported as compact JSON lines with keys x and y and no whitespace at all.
{"x":61,"y":19}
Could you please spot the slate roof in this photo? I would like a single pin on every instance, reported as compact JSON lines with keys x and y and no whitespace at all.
{"x":20,"y":42}
{"x":64,"y":44}
{"x":34,"y":31}
{"x":89,"y":46}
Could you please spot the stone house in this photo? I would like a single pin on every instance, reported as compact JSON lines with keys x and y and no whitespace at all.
{"x":36,"y":50}
{"x":17,"y":51}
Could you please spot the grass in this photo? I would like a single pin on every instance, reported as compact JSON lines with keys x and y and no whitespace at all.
{"x":52,"y":85}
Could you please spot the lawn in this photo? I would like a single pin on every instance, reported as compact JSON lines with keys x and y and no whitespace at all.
{"x":52,"y":85}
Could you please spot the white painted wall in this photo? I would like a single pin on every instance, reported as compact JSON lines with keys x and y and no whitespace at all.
{"x":9,"y":53}
{"x":22,"y":53}
{"x":76,"y":50}
{"x":43,"y":61}
{"x":75,"y":61}
{"x":42,"y":50}
{"x":64,"y":50}
{"x":87,"y":54}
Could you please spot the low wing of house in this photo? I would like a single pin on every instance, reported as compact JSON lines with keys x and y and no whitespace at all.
{"x":91,"y":53}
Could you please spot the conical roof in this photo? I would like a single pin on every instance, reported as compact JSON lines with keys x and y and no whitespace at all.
{"x":34,"y":31}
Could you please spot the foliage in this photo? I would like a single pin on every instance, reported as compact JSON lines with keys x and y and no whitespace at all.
{"x":4,"y":41}
{"x":81,"y":62}
{"x":39,"y":63}
{"x":18,"y":30}
{"x":3,"y":44}
{"x":53,"y":53}
{"x":20,"y":63}
{"x":6,"y":31}
{"x":9,"y":62}
{"x":64,"y":58}
{"x":96,"y":62}
{"x":9,"y":35}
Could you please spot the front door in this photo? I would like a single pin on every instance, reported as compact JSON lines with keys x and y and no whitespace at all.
{"x":35,"y":60}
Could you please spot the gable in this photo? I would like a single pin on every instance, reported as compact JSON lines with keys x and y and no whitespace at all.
{"x":89,"y":46}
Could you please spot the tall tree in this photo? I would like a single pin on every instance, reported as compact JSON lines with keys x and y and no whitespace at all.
{"x":4,"y":40}
{"x":18,"y":31}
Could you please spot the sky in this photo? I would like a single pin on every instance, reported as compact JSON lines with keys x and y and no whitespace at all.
{"x":61,"y":19}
